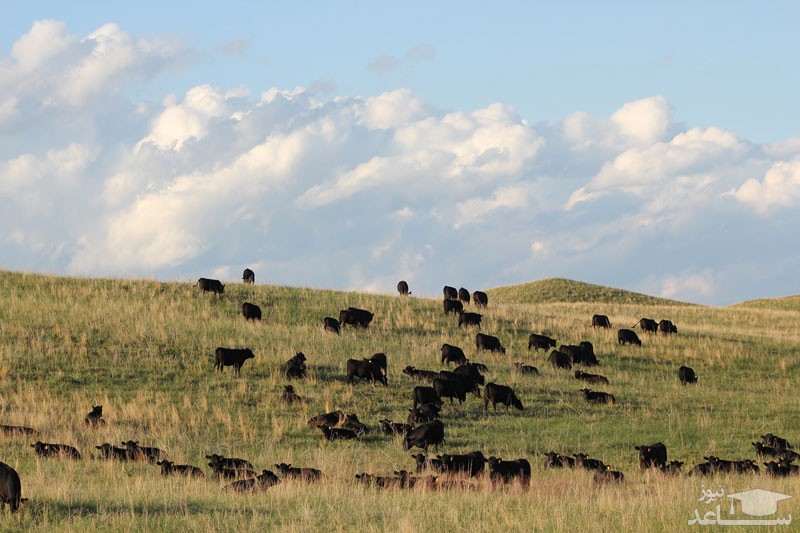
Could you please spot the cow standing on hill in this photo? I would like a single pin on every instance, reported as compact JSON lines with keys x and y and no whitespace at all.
{"x":231,"y":357}
{"x":601,"y":321}
{"x":402,"y":288}
{"x":248,"y":276}
{"x":210,"y":285}
{"x":480,"y":299}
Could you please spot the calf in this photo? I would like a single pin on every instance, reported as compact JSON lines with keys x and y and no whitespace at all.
{"x":584,"y":461}
{"x":601,"y":321}
{"x":330,"y":433}
{"x":427,"y":464}
{"x":559,"y":360}
{"x":44,"y":449}
{"x":489,"y":343}
{"x":10,"y":488}
{"x":263,"y":481}
{"x":352,"y":423}
{"x":608,"y":476}
{"x":210,"y":285}
{"x":251,"y":311}
{"x":234,"y":357}
{"x":591,"y":378}
{"x":229,"y":462}
{"x":500,"y":394}
{"x":628,"y":336}
{"x":686,"y":375}
{"x":776,"y":442}
{"x":424,"y":394}
{"x":469,"y":319}
{"x":422,"y":375}
{"x":352,"y":316}
{"x":480,"y":299}
{"x":472,"y":463}
{"x":365,"y":369}
{"x":542,"y":342}
{"x":424,"y":413}
{"x":109,"y":451}
{"x":452,"y":306}
{"x":221,"y":472}
{"x":334,"y":418}
{"x":450,"y":388}
{"x":330,"y":324}
{"x":453,"y":354}
{"x":508,"y":471}
{"x":525,"y":369}
{"x":424,"y":435}
{"x":95,"y":417}
{"x":143,"y":453}
{"x":556,"y":460}
{"x":303,"y":474}
{"x":290,"y":396}
{"x":652,"y":456}
{"x":598,"y":397}
{"x":296,"y":366}
{"x":17,"y":430}
{"x":702,"y":469}
{"x":673,"y":468}
{"x":407,"y":481}
{"x":168,"y":468}
{"x":394,"y":428}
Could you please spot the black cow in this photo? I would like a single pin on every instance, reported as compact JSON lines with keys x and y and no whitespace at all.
{"x":394,"y":428}
{"x":470,"y":371}
{"x":582,"y":460}
{"x":776,"y":442}
{"x":248,"y":276}
{"x":168,"y":468}
{"x":601,"y":321}
{"x":480,"y":299}
{"x":508,"y":471}
{"x":453,"y":354}
{"x":525,"y":369}
{"x":608,"y":476}
{"x":234,"y":357}
{"x":221,"y":472}
{"x":330,"y":324}
{"x":653,"y":456}
{"x":109,"y":451}
{"x":303,"y":474}
{"x":591,"y":378}
{"x":263,"y":481}
{"x":379,"y":359}
{"x":290,"y":396}
{"x":143,"y":453}
{"x":17,"y":430}
{"x":333,"y":418}
{"x":365,"y":369}
{"x":251,"y":311}
{"x":352,"y":316}
{"x":472,"y":463}
{"x":628,"y":336}
{"x":687,"y":375}
{"x":338,"y":433}
{"x":95,"y":417}
{"x":582,"y":354}
{"x":667,"y":327}
{"x":424,"y":463}
{"x":452,"y":306}
{"x":500,"y":394}
{"x":463,"y":295}
{"x":467,"y":380}
{"x":423,"y":395}
{"x":210,"y":285}
{"x":450,"y":293}
{"x":229,"y":462}
{"x":421,"y":375}
{"x":489,"y":343}
{"x":427,"y":412}
{"x":44,"y":449}
{"x":10,"y":488}
{"x":672,"y":468}
{"x":556,"y":460}
{"x":647,"y":324}
{"x":559,"y":360}
{"x":469,"y":319}
{"x":296,"y":366}
{"x":352,"y":423}
{"x":598,"y":397}
{"x":450,"y":388}
{"x":543,"y":342}
{"x":402,"y":288}
{"x":702,"y":469}
{"x":424,"y":435}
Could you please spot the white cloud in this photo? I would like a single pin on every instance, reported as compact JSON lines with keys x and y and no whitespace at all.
{"x":780,"y":188}
{"x":688,"y":286}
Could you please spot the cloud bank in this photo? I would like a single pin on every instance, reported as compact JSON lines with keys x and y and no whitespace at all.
{"x":359,"y":191}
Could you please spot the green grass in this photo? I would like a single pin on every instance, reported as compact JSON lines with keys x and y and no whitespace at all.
{"x":143,"y":349}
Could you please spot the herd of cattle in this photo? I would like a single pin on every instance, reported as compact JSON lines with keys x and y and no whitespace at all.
{"x":423,"y":427}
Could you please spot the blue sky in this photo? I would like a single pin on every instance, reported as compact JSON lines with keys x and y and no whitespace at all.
{"x":647,"y":146}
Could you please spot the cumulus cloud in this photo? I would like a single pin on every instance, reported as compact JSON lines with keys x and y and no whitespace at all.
{"x":779,"y":188}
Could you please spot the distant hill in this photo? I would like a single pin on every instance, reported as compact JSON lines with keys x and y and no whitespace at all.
{"x":786,"y":303}
{"x":567,"y":290}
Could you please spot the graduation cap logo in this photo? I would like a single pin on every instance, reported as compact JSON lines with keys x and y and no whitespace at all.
{"x":757,"y":502}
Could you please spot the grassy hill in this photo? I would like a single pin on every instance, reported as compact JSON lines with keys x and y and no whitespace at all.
{"x":566,"y":290}
{"x":143,"y":349}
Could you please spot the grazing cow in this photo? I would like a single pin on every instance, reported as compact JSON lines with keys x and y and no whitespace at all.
{"x":608,"y":476}
{"x":480,"y":299}
{"x":11,"y":431}
{"x":352,"y":316}
{"x":450,"y":388}
{"x":251,"y":311}
{"x":394,"y":428}
{"x":591,"y":378}
{"x":653,"y":456}
{"x":450,"y":293}
{"x":582,"y":460}
{"x":263,"y":481}
{"x":647,"y":324}
{"x":143,"y":453}
{"x":352,"y":423}
{"x":424,"y":435}
{"x":468,"y":382}
{"x":556,"y":460}
{"x":582,"y":354}
{"x":95,"y":417}
{"x":453,"y":354}
{"x":168,"y":468}
{"x":542,"y":342}
{"x":10,"y":488}
{"x":365,"y":369}
{"x":427,"y":464}
{"x":233,"y":463}
{"x":210,"y":285}
{"x":303,"y":474}
{"x":338,"y":433}
{"x":463,"y":295}
{"x":333,"y":418}
{"x":470,"y":319}
{"x":500,"y":394}
{"x":472,"y":463}
{"x":290,"y":396}
{"x":508,"y":471}
{"x":489,"y":343}
{"x":296,"y":366}
{"x":452,"y":306}
{"x":470,"y":371}
{"x":601,"y":321}
{"x":687,"y":375}
{"x":402,"y":288}
{"x":234,"y":357}
{"x":667,"y":327}
{"x":109,"y":451}
{"x":424,"y":394}
{"x":525,"y":369}
{"x":330,"y":324}
{"x":248,"y":276}
{"x":421,"y":375}
{"x":776,"y":442}
{"x":628,"y":336}
{"x":598,"y":397}
{"x":44,"y":449}
{"x":424,"y":413}
{"x":559,"y":360}
{"x":673,"y":468}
